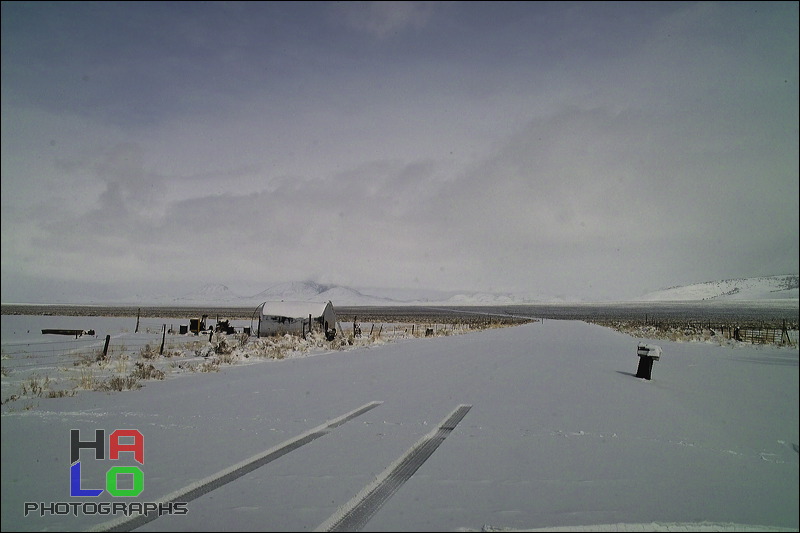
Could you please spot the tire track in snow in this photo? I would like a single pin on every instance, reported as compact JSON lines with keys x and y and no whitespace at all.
{"x":357,"y":512}
{"x":214,"y":481}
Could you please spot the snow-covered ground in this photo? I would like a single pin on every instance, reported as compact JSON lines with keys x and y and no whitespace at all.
{"x":38,"y":366}
{"x":559,"y":435}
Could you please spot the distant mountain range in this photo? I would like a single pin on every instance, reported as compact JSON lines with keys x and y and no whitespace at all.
{"x":308,"y":291}
{"x":296,"y":291}
{"x":762,"y":288}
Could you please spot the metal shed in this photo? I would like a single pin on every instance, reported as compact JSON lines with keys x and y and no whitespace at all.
{"x":299,"y":318}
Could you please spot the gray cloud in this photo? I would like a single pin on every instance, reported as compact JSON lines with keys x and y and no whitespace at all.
{"x":382,"y":19}
{"x":560,"y":149}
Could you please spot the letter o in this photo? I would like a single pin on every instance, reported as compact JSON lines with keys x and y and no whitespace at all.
{"x":111,"y":481}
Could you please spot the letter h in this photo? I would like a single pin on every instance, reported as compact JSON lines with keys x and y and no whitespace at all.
{"x":76,"y":444}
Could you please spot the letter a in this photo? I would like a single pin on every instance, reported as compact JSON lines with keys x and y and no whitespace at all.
{"x":114,"y":446}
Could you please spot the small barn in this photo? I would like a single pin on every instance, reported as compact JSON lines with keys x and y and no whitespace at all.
{"x":299,"y":318}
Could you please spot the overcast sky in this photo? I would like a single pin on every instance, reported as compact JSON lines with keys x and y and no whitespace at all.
{"x":591,"y":150}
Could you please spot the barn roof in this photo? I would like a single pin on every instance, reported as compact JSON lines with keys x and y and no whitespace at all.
{"x":294,"y":309}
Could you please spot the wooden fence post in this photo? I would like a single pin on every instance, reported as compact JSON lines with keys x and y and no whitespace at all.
{"x":163,"y":335}
{"x":137,"y":320}
{"x":105,"y":348}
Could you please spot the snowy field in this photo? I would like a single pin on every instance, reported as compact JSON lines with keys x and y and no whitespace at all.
{"x":557,"y":434}
{"x":38,"y":365}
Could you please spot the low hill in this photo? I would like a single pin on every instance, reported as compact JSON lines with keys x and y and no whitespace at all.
{"x":763,"y":288}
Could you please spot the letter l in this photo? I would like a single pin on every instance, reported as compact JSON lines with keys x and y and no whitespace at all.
{"x":75,"y":483}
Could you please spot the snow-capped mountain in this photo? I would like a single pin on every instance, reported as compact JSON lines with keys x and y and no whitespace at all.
{"x":310,"y":291}
{"x":348,"y":296}
{"x":484,"y":298}
{"x":216,"y":294}
{"x":307,"y":291}
{"x":211,"y":292}
{"x":299,"y":291}
{"x":763,"y":288}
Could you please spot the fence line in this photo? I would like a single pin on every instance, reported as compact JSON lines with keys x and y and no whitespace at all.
{"x":766,"y":332}
{"x":66,"y":341}
{"x":167,"y":339}
{"x":133,"y":343}
{"x":150,"y":336}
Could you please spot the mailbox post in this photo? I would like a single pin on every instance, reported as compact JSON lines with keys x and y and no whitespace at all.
{"x":647,"y":354}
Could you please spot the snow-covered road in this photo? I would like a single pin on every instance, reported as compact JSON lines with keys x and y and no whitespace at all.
{"x":560,"y":434}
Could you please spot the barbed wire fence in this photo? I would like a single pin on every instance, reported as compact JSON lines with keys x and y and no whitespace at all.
{"x":158,"y":336}
{"x":150,"y":347}
{"x":57,"y":368}
{"x":778,"y":333}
